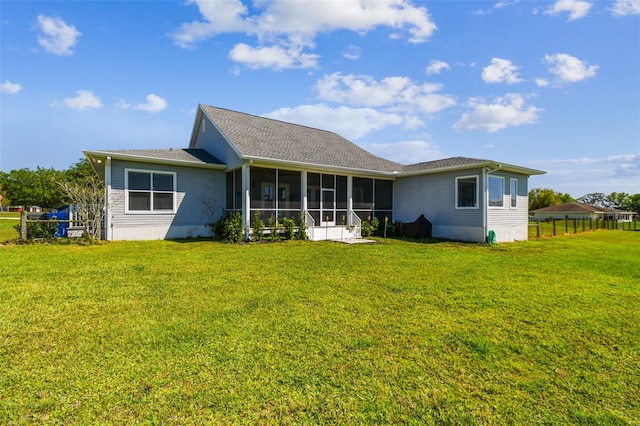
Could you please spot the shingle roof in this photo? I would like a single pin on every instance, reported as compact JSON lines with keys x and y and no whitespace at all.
{"x":575,"y":207}
{"x":183,"y":155}
{"x":259,"y":137}
{"x":444,"y":163}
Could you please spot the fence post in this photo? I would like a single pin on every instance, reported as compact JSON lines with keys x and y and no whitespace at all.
{"x":566,"y":224}
{"x":553,"y":221}
{"x":582,"y":223}
{"x":538,"y":228}
{"x":575,"y":226}
{"x":23,"y":224}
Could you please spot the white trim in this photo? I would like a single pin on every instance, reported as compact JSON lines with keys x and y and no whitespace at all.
{"x":107,"y":200}
{"x":489,"y":191}
{"x":455,"y":199}
{"x":153,"y":160}
{"x":513,"y":193}
{"x":174,"y":209}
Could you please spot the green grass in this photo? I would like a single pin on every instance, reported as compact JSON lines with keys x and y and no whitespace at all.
{"x":7,"y":223}
{"x":538,"y":332}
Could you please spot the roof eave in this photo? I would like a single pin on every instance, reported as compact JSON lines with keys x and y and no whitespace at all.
{"x":491,"y":164}
{"x":314,"y":166}
{"x":153,"y":160}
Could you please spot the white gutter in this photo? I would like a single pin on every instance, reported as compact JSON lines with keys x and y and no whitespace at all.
{"x":154,"y":160}
{"x":486,"y":171}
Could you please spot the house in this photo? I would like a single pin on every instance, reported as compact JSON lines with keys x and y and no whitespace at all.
{"x":576,"y":210}
{"x":242,"y":162}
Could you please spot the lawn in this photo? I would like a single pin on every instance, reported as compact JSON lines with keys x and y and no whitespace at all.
{"x":7,"y":223}
{"x":537,"y":332}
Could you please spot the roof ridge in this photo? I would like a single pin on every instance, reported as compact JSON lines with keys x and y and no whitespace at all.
{"x":274,"y":119}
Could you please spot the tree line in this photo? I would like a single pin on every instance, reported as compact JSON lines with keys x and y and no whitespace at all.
{"x":51,"y":188}
{"x":545,"y":197}
{"x":43,"y":187}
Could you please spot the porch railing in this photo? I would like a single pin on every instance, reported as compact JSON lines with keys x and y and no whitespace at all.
{"x":356,"y":222}
{"x":310,"y":223}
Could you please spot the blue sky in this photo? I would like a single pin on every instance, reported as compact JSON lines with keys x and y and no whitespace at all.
{"x":548,"y":85}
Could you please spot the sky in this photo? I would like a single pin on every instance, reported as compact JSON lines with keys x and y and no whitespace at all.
{"x":549,"y":85}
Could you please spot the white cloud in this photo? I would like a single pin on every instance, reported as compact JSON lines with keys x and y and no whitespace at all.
{"x":275,"y":57}
{"x":436,"y":67}
{"x":542,"y":82}
{"x":394,"y":93}
{"x":351,"y":123}
{"x":507,"y":111}
{"x":576,"y":8}
{"x":626,"y":7}
{"x":10,"y":88}
{"x":569,"y":69}
{"x":84,"y":99}
{"x":352,"y":52}
{"x":284,"y":27}
{"x":154,"y":104}
{"x":57,"y":36}
{"x":501,"y":71}
{"x":405,"y":152}
{"x":611,"y":159}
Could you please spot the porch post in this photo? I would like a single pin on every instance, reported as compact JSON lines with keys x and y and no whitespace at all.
{"x":246,"y":199}
{"x":349,"y":200}
{"x":107,"y":200}
{"x":303,"y":190}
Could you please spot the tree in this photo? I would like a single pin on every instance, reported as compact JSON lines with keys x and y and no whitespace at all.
{"x":543,"y":197}
{"x":567,"y":198}
{"x":618,"y":200}
{"x":594,"y":198}
{"x":25,"y":187}
{"x":88,"y":196}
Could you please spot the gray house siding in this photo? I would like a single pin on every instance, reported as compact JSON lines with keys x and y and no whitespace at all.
{"x":211,"y":140}
{"x":199,"y":194}
{"x":509,"y":223}
{"x":433,"y":195}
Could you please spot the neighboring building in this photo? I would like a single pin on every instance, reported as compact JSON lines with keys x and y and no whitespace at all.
{"x":581,"y":211}
{"x":251,"y":164}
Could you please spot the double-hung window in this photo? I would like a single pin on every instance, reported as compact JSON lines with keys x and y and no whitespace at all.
{"x":467,"y":192}
{"x":513,"y":192}
{"x":496,"y":191}
{"x":150,"y":192}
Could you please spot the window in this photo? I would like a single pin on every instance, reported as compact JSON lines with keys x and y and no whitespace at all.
{"x":496,"y":191}
{"x":150,"y":191}
{"x":513,"y":192}
{"x":467,"y":192}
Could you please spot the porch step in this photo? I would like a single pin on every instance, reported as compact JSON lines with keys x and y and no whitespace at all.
{"x":336,"y":233}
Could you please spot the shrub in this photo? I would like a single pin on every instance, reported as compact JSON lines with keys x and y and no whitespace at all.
{"x":369,"y":227}
{"x":229,"y":227}
{"x":289,"y":226}
{"x":273,"y":227}
{"x":258,"y":227}
{"x":302,"y":229}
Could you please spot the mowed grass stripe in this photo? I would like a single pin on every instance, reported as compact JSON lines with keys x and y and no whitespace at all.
{"x":542,"y":331}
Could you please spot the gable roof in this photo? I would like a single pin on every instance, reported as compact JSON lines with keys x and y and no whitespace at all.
{"x":575,"y":207}
{"x":255,"y":137}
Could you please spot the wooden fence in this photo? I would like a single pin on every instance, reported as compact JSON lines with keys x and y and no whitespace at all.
{"x":75,"y":229}
{"x":553,"y":227}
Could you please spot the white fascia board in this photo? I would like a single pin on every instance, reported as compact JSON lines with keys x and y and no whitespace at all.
{"x":152,"y":160}
{"x":493,"y":164}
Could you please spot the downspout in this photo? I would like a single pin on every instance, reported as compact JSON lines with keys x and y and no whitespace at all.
{"x":485,"y":208}
{"x":107,"y":200}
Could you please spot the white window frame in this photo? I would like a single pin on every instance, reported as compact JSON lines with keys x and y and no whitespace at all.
{"x":489,"y":191}
{"x":174,"y":176}
{"x":477,"y":206}
{"x":513,"y":193}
